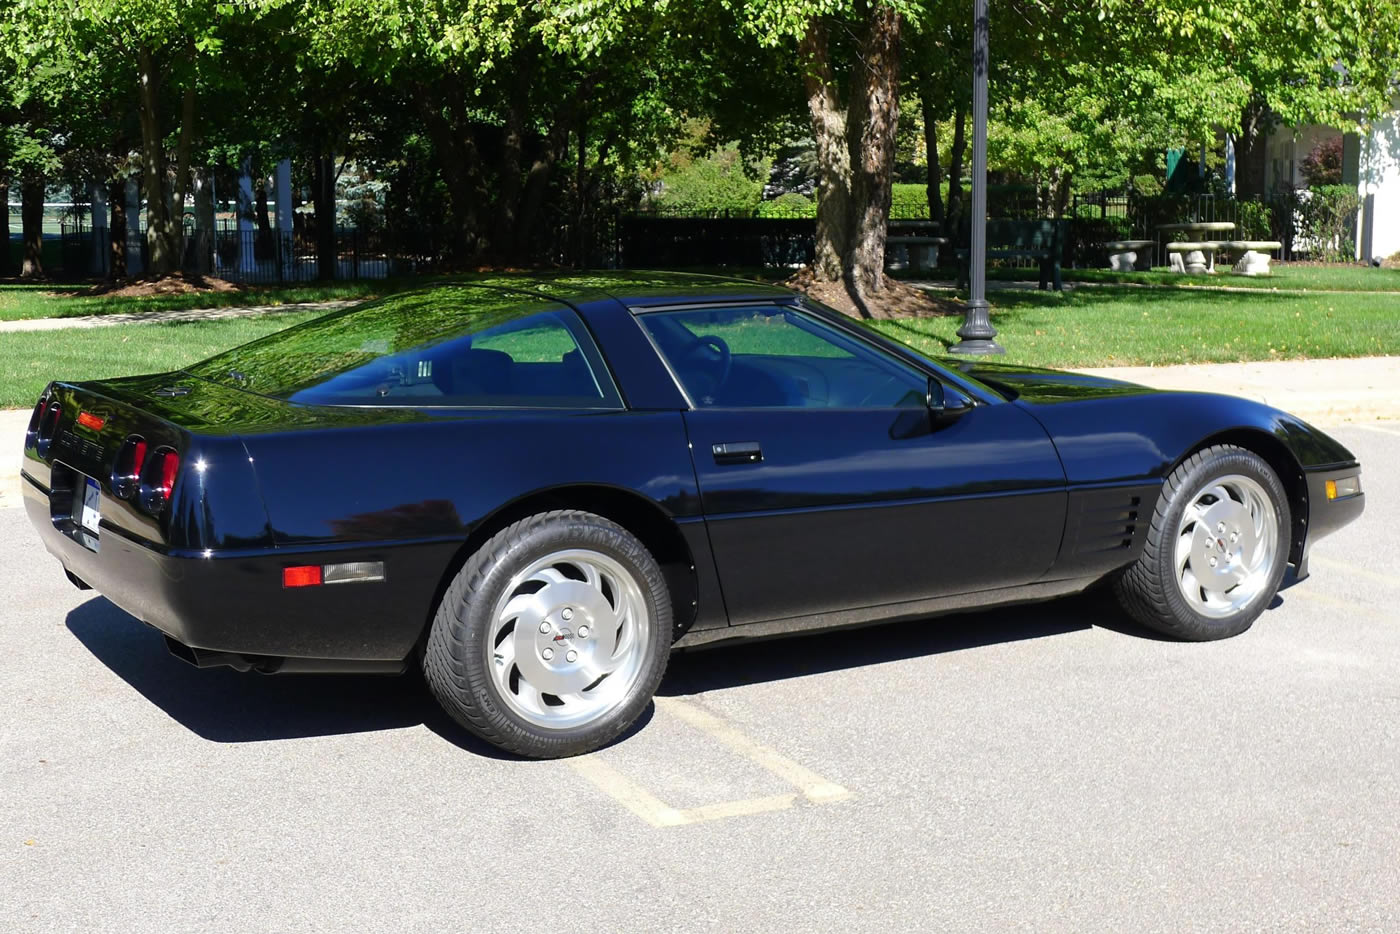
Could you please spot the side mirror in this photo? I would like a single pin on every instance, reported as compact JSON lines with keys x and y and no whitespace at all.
{"x":943,"y":403}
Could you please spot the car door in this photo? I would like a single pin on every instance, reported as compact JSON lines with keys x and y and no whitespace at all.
{"x":826,"y":483}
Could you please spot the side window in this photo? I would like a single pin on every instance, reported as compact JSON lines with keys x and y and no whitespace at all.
{"x":542,"y":360}
{"x":768,"y":356}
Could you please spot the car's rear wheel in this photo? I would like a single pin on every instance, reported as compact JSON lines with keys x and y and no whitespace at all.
{"x":553,"y":637}
{"x":1217,"y":548}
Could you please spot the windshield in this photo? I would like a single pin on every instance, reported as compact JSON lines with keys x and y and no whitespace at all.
{"x":448,"y":346}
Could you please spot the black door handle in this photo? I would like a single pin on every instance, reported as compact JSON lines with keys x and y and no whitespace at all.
{"x":737,"y":452}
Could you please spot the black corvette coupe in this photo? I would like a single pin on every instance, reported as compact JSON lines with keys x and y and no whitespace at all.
{"x":536,"y":488}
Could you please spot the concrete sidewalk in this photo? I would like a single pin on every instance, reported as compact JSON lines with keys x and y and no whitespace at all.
{"x":158,"y":317}
{"x":1325,"y":392}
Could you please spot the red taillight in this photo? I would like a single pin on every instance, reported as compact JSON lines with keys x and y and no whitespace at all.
{"x":306,"y":575}
{"x":158,"y":479}
{"x":48,"y":426}
{"x":126,"y":472}
{"x":88,"y":420}
{"x":36,"y":418}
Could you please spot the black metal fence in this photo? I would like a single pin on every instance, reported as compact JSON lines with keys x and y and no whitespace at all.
{"x":248,"y":256}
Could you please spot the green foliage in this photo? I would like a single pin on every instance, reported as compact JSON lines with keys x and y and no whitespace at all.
{"x":716,"y":183}
{"x":1327,"y":222}
{"x":790,"y":205}
{"x":908,"y":202}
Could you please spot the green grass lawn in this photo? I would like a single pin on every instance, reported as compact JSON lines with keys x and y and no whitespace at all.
{"x":21,"y":300}
{"x":1285,"y":276}
{"x":30,"y":359}
{"x":1105,"y":326}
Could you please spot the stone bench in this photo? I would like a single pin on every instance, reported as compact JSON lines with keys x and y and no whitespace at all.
{"x":919,"y":252}
{"x":1253,"y":259}
{"x":1193,"y":258}
{"x":1130,"y":255}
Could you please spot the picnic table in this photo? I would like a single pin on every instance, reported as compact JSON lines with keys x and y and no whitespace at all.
{"x":1195,"y":255}
{"x":918,"y":242}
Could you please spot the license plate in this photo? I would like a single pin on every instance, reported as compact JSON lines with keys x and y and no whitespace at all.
{"x":91,"y":513}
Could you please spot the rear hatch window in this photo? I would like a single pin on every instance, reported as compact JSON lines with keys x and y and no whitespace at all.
{"x":446,"y":346}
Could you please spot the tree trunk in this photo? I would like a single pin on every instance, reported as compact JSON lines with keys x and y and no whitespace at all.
{"x":833,"y":155}
{"x":510,"y":180}
{"x":323,"y":192}
{"x":876,"y":98}
{"x":182,"y":160}
{"x":5,"y":228}
{"x":935,"y":169}
{"x":203,"y":224}
{"x":537,"y":182}
{"x":116,"y":229}
{"x":1064,"y":181}
{"x":955,"y":169}
{"x":32,"y":218}
{"x":159,"y":235}
{"x":263,"y":249}
{"x":1251,"y":150}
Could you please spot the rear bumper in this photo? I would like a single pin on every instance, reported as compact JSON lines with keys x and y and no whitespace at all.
{"x":233,"y":602}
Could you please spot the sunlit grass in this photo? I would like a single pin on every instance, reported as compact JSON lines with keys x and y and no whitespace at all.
{"x":1105,"y":326}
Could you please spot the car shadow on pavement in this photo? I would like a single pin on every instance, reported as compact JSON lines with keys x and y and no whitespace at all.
{"x":739,"y":663}
{"x":226,"y":706}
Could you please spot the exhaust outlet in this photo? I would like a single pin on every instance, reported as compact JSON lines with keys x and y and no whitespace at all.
{"x":202,"y":658}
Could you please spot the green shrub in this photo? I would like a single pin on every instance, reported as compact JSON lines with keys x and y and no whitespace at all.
{"x":791,"y":204}
{"x":909,"y":202}
{"x":709,"y":185}
{"x":1326,"y":218}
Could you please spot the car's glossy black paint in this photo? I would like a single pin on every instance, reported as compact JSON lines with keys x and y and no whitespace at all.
{"x":1046,"y":485}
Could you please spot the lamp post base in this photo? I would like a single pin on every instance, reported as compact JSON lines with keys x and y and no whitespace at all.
{"x":977,"y":347}
{"x":978,"y":335}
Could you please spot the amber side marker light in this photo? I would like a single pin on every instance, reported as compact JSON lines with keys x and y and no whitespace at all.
{"x":1343,"y":487}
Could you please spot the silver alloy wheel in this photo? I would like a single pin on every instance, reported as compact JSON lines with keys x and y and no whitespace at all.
{"x":568,"y":639}
{"x":1227,"y":544}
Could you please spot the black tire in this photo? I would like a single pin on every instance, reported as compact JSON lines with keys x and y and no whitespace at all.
{"x":1148,"y":589}
{"x":455,"y":655}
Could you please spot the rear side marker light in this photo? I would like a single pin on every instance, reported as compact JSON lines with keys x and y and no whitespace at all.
{"x":314,"y":575}
{"x":88,"y":420}
{"x":305,"y":575}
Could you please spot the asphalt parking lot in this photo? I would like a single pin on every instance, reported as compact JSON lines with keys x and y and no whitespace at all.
{"x":1042,"y":768}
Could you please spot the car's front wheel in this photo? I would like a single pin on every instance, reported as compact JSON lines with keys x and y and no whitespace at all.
{"x":1217,"y":548}
{"x":553,"y":637}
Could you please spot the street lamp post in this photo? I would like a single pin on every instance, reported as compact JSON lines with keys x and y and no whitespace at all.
{"x":978,"y":335}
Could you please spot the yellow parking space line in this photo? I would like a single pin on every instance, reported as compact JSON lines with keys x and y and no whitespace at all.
{"x":1384,"y":431}
{"x":628,"y":793}
{"x":813,"y":787}
{"x":1345,"y":568}
{"x":658,"y":813}
{"x":741,"y":808}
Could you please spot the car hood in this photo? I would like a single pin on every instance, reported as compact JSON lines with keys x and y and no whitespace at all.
{"x":1038,"y":385}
